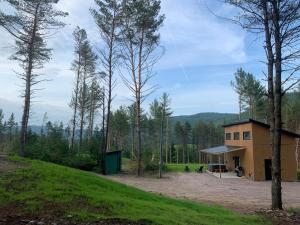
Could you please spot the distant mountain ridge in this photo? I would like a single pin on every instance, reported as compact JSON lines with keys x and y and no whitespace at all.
{"x":217,"y":119}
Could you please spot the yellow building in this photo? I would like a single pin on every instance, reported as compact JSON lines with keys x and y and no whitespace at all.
{"x":247,"y":145}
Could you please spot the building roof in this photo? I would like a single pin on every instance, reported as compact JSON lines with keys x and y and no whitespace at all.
{"x":262,"y":125}
{"x":113,"y":152}
{"x":222,"y":149}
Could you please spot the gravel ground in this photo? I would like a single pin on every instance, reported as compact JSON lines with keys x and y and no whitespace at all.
{"x":242,"y":195}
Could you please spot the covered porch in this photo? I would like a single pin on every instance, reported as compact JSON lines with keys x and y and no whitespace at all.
{"x":225,"y":161}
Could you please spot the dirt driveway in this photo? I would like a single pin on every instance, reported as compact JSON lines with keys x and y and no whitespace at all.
{"x":6,"y":165}
{"x":239,"y":194}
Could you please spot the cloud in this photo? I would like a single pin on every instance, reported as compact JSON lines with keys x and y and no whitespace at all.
{"x":191,"y":35}
{"x":203,"y":98}
{"x":194,"y":36}
{"x":55,"y":113}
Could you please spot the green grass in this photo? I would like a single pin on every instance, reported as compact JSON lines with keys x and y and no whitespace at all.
{"x":173,"y":167}
{"x":88,"y":197}
{"x":295,"y":211}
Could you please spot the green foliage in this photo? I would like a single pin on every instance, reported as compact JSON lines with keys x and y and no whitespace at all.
{"x":298,"y":175}
{"x":207,"y":135}
{"x":186,"y":169}
{"x":21,"y":24}
{"x":216,"y":118}
{"x":251,"y":94}
{"x":153,"y":166}
{"x":120,"y":128}
{"x":52,"y":146}
{"x":81,"y":161}
{"x":173,"y":167}
{"x":88,"y":197}
{"x":290,"y":110}
{"x":189,"y":141}
{"x":295,"y":211}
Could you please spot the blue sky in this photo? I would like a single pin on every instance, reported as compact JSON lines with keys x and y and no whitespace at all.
{"x":202,"y":53}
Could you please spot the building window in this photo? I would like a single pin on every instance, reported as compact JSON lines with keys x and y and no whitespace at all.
{"x":236,"y":136}
{"x":228,"y":136}
{"x":246,"y":135}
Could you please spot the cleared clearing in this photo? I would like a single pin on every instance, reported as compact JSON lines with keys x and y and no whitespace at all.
{"x":242,"y":195}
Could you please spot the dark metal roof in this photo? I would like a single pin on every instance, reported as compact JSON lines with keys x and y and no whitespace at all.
{"x":222,"y":149}
{"x":262,"y":125}
{"x":113,"y":152}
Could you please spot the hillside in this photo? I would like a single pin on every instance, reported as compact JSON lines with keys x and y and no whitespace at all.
{"x":55,"y":194}
{"x":209,"y":117}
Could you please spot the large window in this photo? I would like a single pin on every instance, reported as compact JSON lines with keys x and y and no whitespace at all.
{"x":228,"y":136}
{"x":246,"y":135}
{"x":236,"y":136}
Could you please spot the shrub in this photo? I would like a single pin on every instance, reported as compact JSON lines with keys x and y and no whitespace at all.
{"x":186,"y":169}
{"x":298,"y":175}
{"x":153,"y":166}
{"x":82,"y":161}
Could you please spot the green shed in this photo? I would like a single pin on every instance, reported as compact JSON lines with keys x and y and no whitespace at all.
{"x":113,"y":162}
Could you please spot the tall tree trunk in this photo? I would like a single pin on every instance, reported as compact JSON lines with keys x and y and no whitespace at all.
{"x":83,"y":105}
{"x":75,"y":109}
{"x":240,"y":106}
{"x":177,"y":155}
{"x":138,"y":88}
{"x":271,"y":108}
{"x":25,"y":118}
{"x":167,"y":139}
{"x":103,"y":149}
{"x":188,"y":154}
{"x":110,"y":74}
{"x":91,"y":123}
{"x":276,"y":159}
{"x":183,"y":153}
{"x":133,"y":141}
{"x":81,"y":127}
{"x":161,"y":148}
{"x":27,"y":97}
{"x":139,"y":137}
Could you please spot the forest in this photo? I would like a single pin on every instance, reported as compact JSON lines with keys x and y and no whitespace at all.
{"x":181,"y":140}
{"x":148,"y":135}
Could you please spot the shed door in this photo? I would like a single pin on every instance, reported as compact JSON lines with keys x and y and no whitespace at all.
{"x":268,"y":169}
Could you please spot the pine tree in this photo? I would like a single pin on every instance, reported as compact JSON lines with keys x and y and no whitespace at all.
{"x":166,"y":113}
{"x":251,"y":95}
{"x":31,"y":25}
{"x":95,"y":102}
{"x":89,"y":59}
{"x":108,"y":18}
{"x":11,"y":126}
{"x":80,"y":37}
{"x":2,"y":126}
{"x":140,"y":38}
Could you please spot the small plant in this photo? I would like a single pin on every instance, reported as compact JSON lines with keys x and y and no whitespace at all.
{"x":186,"y":169}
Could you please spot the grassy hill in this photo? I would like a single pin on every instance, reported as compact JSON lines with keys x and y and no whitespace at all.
{"x":43,"y":189}
{"x":209,"y":117}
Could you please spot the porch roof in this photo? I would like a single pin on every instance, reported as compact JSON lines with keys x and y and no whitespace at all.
{"x":222,"y":149}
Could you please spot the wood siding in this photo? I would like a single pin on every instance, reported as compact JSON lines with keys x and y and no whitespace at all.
{"x":257,"y":149}
{"x":246,"y":156}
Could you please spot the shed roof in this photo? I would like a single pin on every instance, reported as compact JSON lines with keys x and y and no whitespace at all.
{"x":222,"y":149}
{"x":113,"y":152}
{"x":262,"y":125}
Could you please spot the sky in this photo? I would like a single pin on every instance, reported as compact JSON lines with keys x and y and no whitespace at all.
{"x":202,"y":52}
